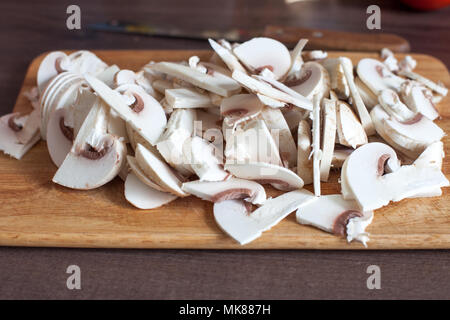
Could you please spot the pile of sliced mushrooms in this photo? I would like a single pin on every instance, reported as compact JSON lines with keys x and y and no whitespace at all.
{"x":253,"y":114}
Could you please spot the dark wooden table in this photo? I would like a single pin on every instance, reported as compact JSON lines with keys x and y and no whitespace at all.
{"x":29,"y":28}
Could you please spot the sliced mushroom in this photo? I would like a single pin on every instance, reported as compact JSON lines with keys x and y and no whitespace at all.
{"x":252,"y":143}
{"x":340,"y":154}
{"x":313,"y":79}
{"x":95,"y":158}
{"x":142,"y":196}
{"x":372,"y":188}
{"x":336,"y":215}
{"x":12,"y":141}
{"x":279,"y":129}
{"x":349,"y":129}
{"x":60,"y":136}
{"x":140,"y":174}
{"x":304,"y":160}
{"x":216,"y":83}
{"x":162,"y":85}
{"x":266,"y":89}
{"x":338,"y":82}
{"x":143,"y":112}
{"x":426,"y":82}
{"x":107,"y":76}
{"x":266,"y":173}
{"x":391,"y":103}
{"x":230,"y":189}
{"x":227,"y":56}
{"x":296,"y":60}
{"x":238,"y":222}
{"x":158,"y":171}
{"x":240,"y":108}
{"x":179,"y":128}
{"x":419,"y":99}
{"x":316,"y":152}
{"x":369,"y":98}
{"x":259,"y":53}
{"x":377,"y":76}
{"x":411,"y":137}
{"x":49,"y":68}
{"x":187,"y":98}
{"x":328,"y":137}
{"x":205,"y":159}
{"x":358,"y":103}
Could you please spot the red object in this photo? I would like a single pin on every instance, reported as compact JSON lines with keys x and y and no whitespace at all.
{"x":427,"y":4}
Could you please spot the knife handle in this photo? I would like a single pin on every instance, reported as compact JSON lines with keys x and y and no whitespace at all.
{"x":337,"y":40}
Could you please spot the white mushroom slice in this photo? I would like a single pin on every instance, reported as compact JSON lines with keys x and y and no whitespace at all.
{"x":86,"y":98}
{"x":340,"y":154}
{"x":338,"y":82}
{"x":358,"y":103}
{"x":316,"y":152}
{"x":144,"y":197}
{"x":158,"y":171}
{"x":82,"y":62}
{"x":328,"y":138}
{"x":230,"y":189}
{"x":107,"y":76}
{"x":377,"y":76}
{"x":265,"y":173}
{"x":270,"y":102}
{"x":117,"y":126}
{"x":59,"y":136}
{"x":391,"y":103}
{"x":313,"y":79}
{"x":227,"y":56}
{"x":296,"y":59}
{"x":411,"y":137}
{"x":374,"y":189}
{"x":251,"y":143}
{"x":336,"y":215}
{"x":369,"y":98}
{"x":205,"y":160}
{"x":187,"y":98}
{"x":268,"y":90}
{"x":205,"y":122}
{"x":95,"y":158}
{"x":389,"y":59}
{"x":259,"y":53}
{"x":304,"y":161}
{"x":426,"y":82}
{"x":236,"y":220}
{"x":408,"y":63}
{"x":420,"y":100}
{"x":140,"y":174}
{"x":315,"y":55}
{"x":216,"y":83}
{"x":346,"y":192}
{"x":240,"y":108}
{"x":145,"y":114}
{"x":282,"y":136}
{"x":349,"y":129}
{"x":179,"y":128}
{"x":124,"y":76}
{"x":49,"y":68}
{"x":293,"y":116}
{"x":10,"y":127}
{"x":162,"y":85}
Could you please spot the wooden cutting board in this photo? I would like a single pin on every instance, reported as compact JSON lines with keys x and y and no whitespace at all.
{"x":36,"y":212}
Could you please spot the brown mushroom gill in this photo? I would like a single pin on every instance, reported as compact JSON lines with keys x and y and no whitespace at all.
{"x":259,"y":69}
{"x":58,"y":67}
{"x":238,"y":112}
{"x":94,"y":153}
{"x":232,"y":194}
{"x":66,"y":131}
{"x":138,"y":104}
{"x":278,"y":182}
{"x":413,"y":120}
{"x":381,"y":166}
{"x":295,"y":82}
{"x":13,"y":125}
{"x":379,"y":70}
{"x":340,"y":223}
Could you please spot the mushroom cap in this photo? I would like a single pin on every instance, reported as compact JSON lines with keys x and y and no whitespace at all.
{"x":279,"y":177}
{"x":230,"y":189}
{"x":259,"y":53}
{"x":419,"y":102}
{"x":240,"y":108}
{"x":48,"y":69}
{"x":313,"y":79}
{"x":143,"y":196}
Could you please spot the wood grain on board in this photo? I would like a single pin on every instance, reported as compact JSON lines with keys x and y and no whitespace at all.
{"x":37,"y":212}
